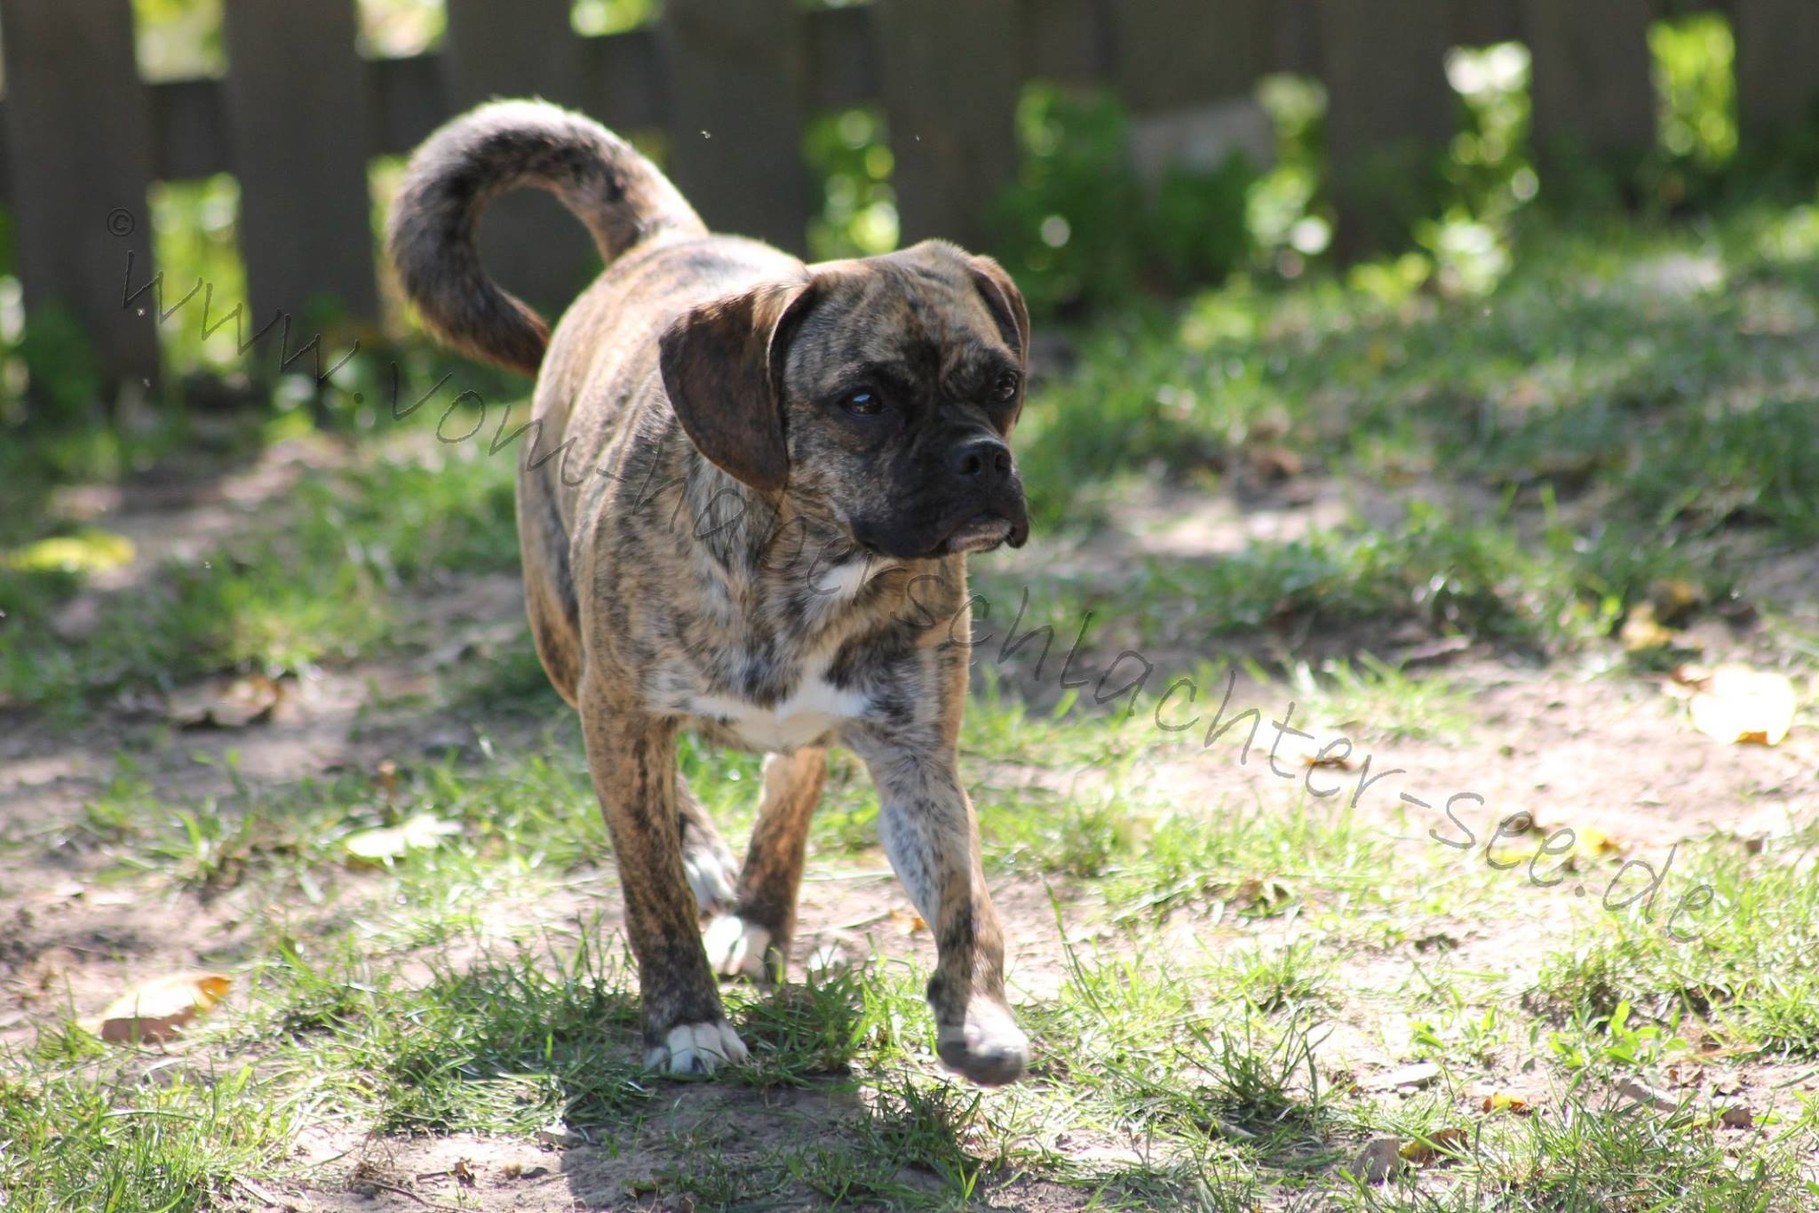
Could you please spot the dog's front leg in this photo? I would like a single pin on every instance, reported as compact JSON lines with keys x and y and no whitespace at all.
{"x":930,"y":834}
{"x":633,"y":759}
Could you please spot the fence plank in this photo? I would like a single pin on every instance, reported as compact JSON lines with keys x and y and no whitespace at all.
{"x":842,"y":57}
{"x":407,"y":99}
{"x":1294,"y":37}
{"x":1777,"y":64}
{"x":951,"y":82}
{"x":523,"y":49}
{"x":736,"y":92}
{"x":1592,"y":88}
{"x":1483,"y":22}
{"x":297,"y":124}
{"x":1068,"y":40}
{"x":1388,"y":107}
{"x":189,"y":130}
{"x":79,"y":155}
{"x":1175,"y":53}
{"x":623,"y":74}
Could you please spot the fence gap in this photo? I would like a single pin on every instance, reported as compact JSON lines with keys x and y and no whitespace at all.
{"x":850,"y":153}
{"x":196,"y":228}
{"x":401,"y":29}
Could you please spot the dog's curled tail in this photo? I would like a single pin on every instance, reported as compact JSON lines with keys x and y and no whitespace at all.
{"x":471,"y":160}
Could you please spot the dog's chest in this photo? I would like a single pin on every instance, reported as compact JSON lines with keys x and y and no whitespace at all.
{"x":812,"y":708}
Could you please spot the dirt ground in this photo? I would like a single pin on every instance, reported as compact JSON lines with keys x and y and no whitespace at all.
{"x":1571,"y":743}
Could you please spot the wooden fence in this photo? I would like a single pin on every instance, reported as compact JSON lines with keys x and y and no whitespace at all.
{"x":299,"y":114}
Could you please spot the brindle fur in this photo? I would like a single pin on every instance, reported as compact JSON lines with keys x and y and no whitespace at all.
{"x":710,"y":543}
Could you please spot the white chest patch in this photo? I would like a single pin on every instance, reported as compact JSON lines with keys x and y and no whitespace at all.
{"x":814,"y":710}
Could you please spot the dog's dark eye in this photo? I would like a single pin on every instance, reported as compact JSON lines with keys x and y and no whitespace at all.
{"x":863,"y":403}
{"x":1005,"y":389}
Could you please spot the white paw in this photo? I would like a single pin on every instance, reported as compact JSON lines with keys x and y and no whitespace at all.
{"x":697,"y":1048}
{"x":713,"y":879}
{"x":736,"y":948}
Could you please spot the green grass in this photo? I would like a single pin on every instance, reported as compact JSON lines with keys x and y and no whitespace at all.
{"x":1554,"y":448}
{"x":1234,"y":969}
{"x":320,"y":576}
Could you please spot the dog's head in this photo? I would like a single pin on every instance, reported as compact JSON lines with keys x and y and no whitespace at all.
{"x":882,"y":391}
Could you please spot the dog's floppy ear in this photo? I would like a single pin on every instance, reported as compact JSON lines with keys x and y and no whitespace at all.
{"x":1006,"y":302}
{"x":723,"y":366}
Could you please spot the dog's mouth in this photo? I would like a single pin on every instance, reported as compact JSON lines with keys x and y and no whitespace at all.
{"x":983,"y":532}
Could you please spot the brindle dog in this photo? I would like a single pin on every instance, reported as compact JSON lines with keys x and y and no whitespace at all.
{"x":745,"y":509}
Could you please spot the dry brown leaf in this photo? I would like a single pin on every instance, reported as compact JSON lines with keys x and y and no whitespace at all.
{"x":1641,"y":630}
{"x":1321,"y":749}
{"x":1378,"y":1160}
{"x":159,"y":1009}
{"x":240,"y":703}
{"x":1500,"y":1102}
{"x":1742,"y":705}
{"x":908,"y":921}
{"x":1442,"y":1143}
{"x":1674,"y":599}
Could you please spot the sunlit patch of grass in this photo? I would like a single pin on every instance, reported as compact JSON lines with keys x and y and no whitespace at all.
{"x":1725,"y":946}
{"x":319,"y":579}
{"x":1250,"y":863}
{"x":1382,"y":699}
{"x":87,"y":1127}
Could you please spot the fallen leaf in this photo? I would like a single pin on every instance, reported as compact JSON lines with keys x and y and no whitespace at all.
{"x":1442,"y":1143}
{"x":87,"y":551}
{"x":1674,"y":599}
{"x":1739,"y":705}
{"x":1641,"y":630}
{"x":159,"y":1009}
{"x":908,"y":922}
{"x":1378,"y":1160}
{"x":1260,"y":893}
{"x":1592,"y":842}
{"x":242,"y":702}
{"x":1321,"y":749}
{"x":384,"y":845}
{"x":1500,"y":1102}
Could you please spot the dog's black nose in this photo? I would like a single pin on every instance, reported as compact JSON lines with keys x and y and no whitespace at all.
{"x":982,"y":459}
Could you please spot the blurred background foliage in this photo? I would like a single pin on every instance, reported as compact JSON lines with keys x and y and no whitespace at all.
{"x":1080,"y":230}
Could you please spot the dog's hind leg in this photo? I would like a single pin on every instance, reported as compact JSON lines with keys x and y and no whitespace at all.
{"x":706,"y":860}
{"x":754,"y":940}
{"x":549,"y":586}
